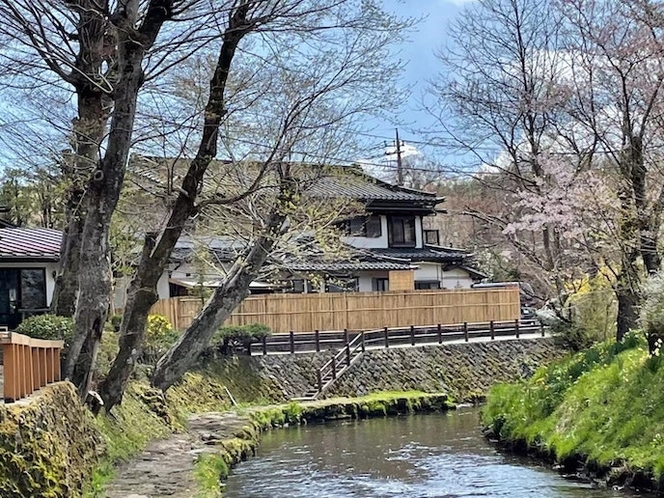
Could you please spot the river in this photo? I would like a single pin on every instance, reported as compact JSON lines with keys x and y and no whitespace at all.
{"x":439,"y":455}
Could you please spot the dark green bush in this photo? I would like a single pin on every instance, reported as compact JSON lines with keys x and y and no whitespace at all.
{"x":49,"y":327}
{"x":231,"y":337}
{"x":115,"y":322}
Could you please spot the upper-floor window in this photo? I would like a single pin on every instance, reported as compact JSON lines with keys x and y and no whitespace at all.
{"x":432,"y":237}
{"x":364,"y":226}
{"x":401,"y":231}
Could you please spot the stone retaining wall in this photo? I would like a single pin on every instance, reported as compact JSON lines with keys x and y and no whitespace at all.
{"x":462,"y":370}
{"x":48,"y":445}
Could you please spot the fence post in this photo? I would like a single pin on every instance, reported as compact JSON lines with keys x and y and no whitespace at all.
{"x":347,"y":355}
{"x":516,"y":327}
{"x":493,"y":333}
{"x":465,"y":331}
{"x":362,"y":338}
{"x":292,"y":342}
{"x":412,"y":335}
{"x":320,"y":381}
{"x":264,"y":341}
{"x":346,"y":337}
{"x":440,"y":334}
{"x":11,"y":375}
{"x":317,"y":334}
{"x":387,"y":339}
{"x":334,"y":367}
{"x":542,"y":328}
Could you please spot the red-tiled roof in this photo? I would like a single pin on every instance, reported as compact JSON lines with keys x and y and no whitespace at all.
{"x":37,"y":244}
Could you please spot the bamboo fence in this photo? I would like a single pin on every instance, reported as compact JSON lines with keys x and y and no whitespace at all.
{"x":358,"y":310}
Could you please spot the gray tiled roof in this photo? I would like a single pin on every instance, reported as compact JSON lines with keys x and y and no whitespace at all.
{"x":35,"y":244}
{"x":337,"y":182}
{"x":362,"y":187}
{"x":427,"y":253}
{"x":222,"y":248}
{"x":359,"y":265}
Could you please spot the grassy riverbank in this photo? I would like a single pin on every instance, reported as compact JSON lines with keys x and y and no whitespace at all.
{"x":602,"y":408}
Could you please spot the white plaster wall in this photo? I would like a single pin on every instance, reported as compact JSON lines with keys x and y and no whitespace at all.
{"x":366,"y":279}
{"x":50,"y":279}
{"x":456,"y":278}
{"x":428,"y":271}
{"x":370,"y":242}
{"x":162,"y":286}
{"x":419,"y":234}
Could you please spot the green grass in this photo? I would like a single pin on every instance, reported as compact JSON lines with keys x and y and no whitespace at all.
{"x":210,"y":469}
{"x":605,"y":404}
{"x":126,"y":433}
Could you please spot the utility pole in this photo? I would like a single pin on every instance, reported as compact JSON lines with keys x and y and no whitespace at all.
{"x":399,"y":164}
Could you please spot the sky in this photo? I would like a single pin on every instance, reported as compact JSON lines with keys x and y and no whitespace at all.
{"x":429,"y":35}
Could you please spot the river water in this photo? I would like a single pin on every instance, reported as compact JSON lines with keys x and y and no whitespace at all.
{"x":439,"y":455}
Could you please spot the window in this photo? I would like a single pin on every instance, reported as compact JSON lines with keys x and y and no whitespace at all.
{"x":364,"y":226}
{"x":380,"y":284}
{"x":33,"y":289}
{"x":401,"y":231}
{"x":432,"y":237}
{"x":427,"y":284}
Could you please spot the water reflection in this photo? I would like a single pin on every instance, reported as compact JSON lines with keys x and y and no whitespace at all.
{"x":421,"y":456}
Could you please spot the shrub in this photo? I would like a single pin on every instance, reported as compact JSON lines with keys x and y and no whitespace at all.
{"x":49,"y":327}
{"x":230,"y":337}
{"x":159,"y":336}
{"x":116,"y":320}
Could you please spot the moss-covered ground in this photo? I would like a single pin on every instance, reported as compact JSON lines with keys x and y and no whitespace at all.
{"x":602,"y":408}
{"x":145,"y":415}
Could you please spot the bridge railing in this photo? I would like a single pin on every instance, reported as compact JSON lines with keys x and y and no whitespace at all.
{"x":28,"y":364}
{"x":307,"y":342}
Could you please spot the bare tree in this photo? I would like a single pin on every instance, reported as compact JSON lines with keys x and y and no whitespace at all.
{"x":498,"y":101}
{"x":327,"y":63}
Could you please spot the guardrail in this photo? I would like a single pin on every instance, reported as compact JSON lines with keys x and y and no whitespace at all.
{"x":28,"y":364}
{"x":308,"y":342}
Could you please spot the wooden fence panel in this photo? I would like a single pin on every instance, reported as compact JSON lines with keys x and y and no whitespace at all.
{"x":358,"y":311}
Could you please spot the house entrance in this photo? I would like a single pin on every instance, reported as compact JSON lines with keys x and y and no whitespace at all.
{"x":22,"y":294}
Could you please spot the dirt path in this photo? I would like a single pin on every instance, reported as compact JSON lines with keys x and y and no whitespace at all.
{"x":166,"y":467}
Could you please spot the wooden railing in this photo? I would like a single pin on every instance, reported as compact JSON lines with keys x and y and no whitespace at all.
{"x":308,"y":342}
{"x":28,"y":364}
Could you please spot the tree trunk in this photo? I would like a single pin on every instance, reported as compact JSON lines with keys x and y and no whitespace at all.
{"x":66,"y":282}
{"x":182,"y":355}
{"x":142,"y":293}
{"x":94,"y":296}
{"x":627,"y":296}
{"x":89,"y":131}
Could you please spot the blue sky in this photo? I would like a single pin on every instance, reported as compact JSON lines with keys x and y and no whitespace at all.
{"x":419,"y":54}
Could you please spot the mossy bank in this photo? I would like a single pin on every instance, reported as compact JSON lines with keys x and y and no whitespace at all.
{"x":48,"y":447}
{"x":599,"y":412}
